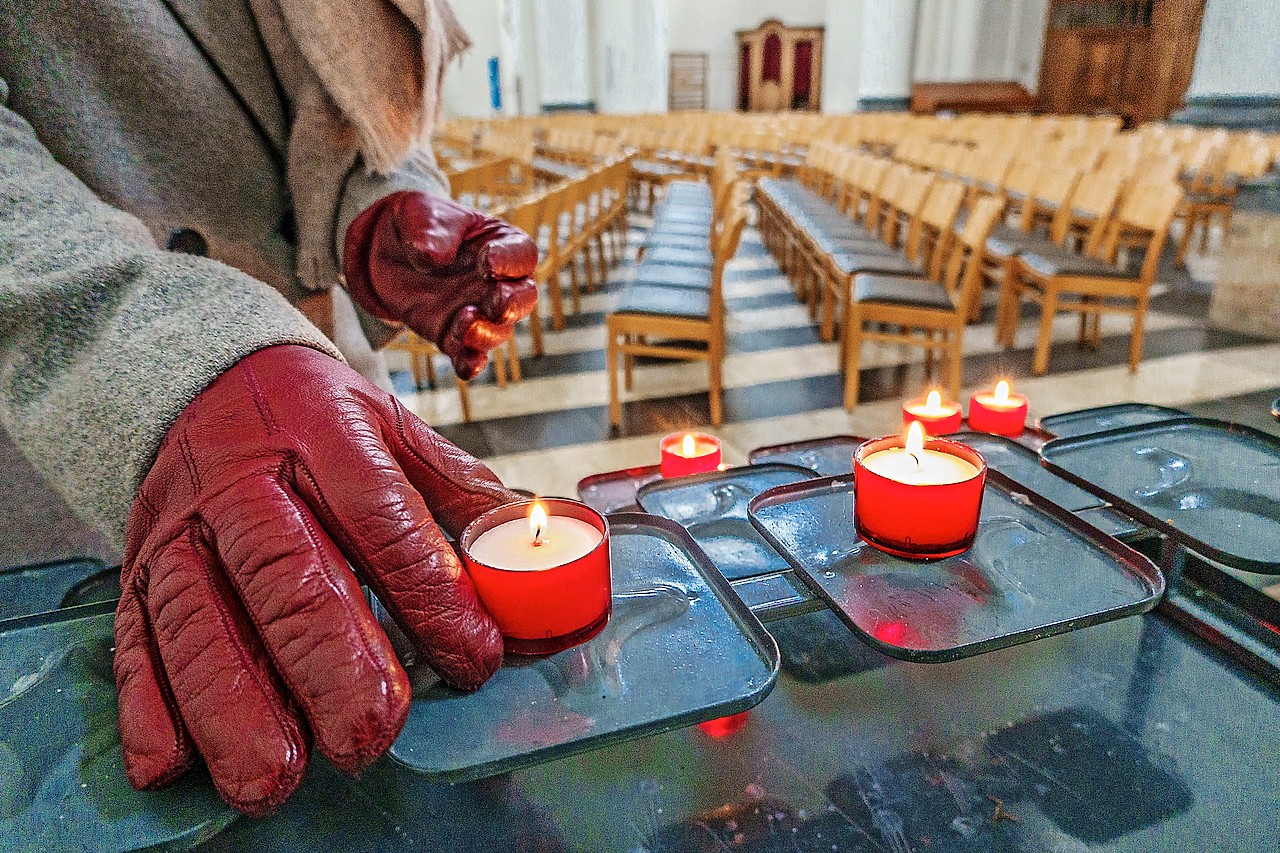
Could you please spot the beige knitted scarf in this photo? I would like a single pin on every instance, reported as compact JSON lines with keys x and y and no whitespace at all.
{"x":364,"y":78}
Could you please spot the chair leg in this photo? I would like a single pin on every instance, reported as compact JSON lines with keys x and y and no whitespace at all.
{"x":513,"y":360}
{"x":715,"y":383}
{"x":557,"y":301}
{"x":1135,"y":337}
{"x":430,"y":365}
{"x":535,"y":332}
{"x":1010,"y":304}
{"x":1184,"y":242}
{"x":1048,"y":308}
{"x":611,"y":366}
{"x":852,"y":353}
{"x":628,"y":362}
{"x":827,"y":326}
{"x":464,"y":398}
{"x":415,"y":364}
{"x":955,"y":363}
{"x":499,"y":369}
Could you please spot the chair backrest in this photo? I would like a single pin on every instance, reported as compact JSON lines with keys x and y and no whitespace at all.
{"x":1055,"y":186}
{"x":963,"y":277}
{"x":1148,"y":209}
{"x":726,"y":235}
{"x":906,"y":204}
{"x":1023,"y":176}
{"x":1092,"y":203}
{"x":936,"y":218}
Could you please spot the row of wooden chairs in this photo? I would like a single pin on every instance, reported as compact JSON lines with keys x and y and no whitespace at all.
{"x":673,"y":307}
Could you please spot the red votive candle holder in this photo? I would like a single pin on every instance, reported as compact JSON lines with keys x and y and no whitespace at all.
{"x":921,"y":507}
{"x":689,"y":453}
{"x":937,"y":417}
{"x":999,"y":411}
{"x":544,"y":597}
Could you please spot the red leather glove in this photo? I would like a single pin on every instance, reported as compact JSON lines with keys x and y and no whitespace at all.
{"x":458,"y":278}
{"x":241,"y":631}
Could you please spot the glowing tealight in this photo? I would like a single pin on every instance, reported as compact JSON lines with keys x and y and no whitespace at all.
{"x":688,"y":449}
{"x":537,"y":522}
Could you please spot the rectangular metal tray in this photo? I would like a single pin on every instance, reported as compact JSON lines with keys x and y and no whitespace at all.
{"x":1035,"y":570}
{"x":826,"y":457}
{"x":1212,"y":486}
{"x":1102,"y":418}
{"x":61,"y":767}
{"x":713,"y":508}
{"x":615,"y":491}
{"x":680,"y":648}
{"x":1022,"y":465}
{"x":27,"y":590}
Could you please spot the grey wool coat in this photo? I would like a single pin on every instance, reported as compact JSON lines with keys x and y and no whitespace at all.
{"x":251,"y":131}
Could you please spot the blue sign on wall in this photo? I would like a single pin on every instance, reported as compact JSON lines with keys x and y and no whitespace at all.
{"x":495,"y":84}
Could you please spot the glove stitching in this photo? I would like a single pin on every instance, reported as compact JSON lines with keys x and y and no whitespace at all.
{"x":184,"y":447}
{"x":259,"y":400}
{"x":386,"y":673}
{"x":288,"y":730}
{"x":402,"y":439}
{"x":179,"y":758}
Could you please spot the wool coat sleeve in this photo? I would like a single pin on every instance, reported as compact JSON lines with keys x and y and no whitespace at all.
{"x":105,"y":338}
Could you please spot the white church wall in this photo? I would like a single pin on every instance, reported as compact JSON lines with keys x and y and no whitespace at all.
{"x":1239,"y":51}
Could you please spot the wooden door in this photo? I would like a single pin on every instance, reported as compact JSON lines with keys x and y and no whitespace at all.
{"x":780,"y":68}
{"x":1131,"y":58}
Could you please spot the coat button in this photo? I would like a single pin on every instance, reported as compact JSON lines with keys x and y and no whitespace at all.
{"x":188,"y":241}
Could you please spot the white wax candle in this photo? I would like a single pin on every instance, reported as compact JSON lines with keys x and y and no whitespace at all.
{"x":510,"y":544}
{"x":934,"y":467}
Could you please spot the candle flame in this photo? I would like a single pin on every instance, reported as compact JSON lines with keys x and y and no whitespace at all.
{"x":915,"y":441}
{"x":933,"y":404}
{"x":537,"y":522}
{"x":1002,"y":392}
{"x":687,"y":447}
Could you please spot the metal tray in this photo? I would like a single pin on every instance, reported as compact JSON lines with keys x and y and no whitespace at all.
{"x":827,"y":457}
{"x":27,"y":590}
{"x":713,"y":508}
{"x":1212,"y":486}
{"x":680,"y":648}
{"x":1102,"y":418}
{"x":615,"y":491}
{"x":1022,"y":465}
{"x":1035,"y":570}
{"x":62,"y":783}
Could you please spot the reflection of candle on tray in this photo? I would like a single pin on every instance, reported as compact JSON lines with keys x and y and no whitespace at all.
{"x":917,"y":497}
{"x":542,"y":570}
{"x":937,"y":417}
{"x":1000,"y":411}
{"x":689,"y":453}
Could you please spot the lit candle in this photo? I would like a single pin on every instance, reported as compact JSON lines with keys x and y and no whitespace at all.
{"x":937,"y":417}
{"x":542,"y":570}
{"x":917,"y":497}
{"x":689,"y":453}
{"x":999,"y":412}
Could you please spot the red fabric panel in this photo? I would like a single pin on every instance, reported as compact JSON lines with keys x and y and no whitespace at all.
{"x":803,"y":74}
{"x":772,"y":59}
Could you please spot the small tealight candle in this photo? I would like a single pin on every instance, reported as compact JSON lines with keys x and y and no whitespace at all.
{"x":689,"y":453}
{"x":937,"y":417}
{"x":999,"y":412}
{"x":916,"y":497}
{"x":542,"y":570}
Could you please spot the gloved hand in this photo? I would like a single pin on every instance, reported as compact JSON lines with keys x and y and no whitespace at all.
{"x":458,"y":278}
{"x":241,"y":631}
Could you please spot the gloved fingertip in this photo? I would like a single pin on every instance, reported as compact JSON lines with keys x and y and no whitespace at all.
{"x":468,"y":363}
{"x":511,"y":256}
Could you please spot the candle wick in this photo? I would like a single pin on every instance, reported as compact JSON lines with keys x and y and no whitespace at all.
{"x":915,"y":457}
{"x":537,"y":538}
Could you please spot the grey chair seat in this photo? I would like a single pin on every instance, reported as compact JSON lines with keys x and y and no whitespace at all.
{"x":1063,"y":262}
{"x":1006,"y":241}
{"x":657,"y":300}
{"x":700,"y":257}
{"x":672,"y":275}
{"x":558,"y":168}
{"x":682,"y":229}
{"x":680,"y":215}
{"x":655,"y":167}
{"x":853,"y":263}
{"x":675,"y":241}
{"x":901,"y":290}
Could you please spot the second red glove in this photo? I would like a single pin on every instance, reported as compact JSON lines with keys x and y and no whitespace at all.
{"x":455,"y":276}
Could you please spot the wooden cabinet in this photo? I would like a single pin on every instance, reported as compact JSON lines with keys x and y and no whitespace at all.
{"x":1132,"y":58}
{"x":779,"y":68}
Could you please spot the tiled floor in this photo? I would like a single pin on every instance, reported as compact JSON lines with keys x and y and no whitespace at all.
{"x":550,"y":430}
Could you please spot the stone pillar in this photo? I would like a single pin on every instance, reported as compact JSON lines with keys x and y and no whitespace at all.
{"x":888,"y":49}
{"x":563,"y":57}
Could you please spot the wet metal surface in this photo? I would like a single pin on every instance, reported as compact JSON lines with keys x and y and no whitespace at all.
{"x":38,"y":589}
{"x":615,"y":491}
{"x":679,"y":648}
{"x":62,"y":782}
{"x":1022,"y":465}
{"x":828,"y":457}
{"x":1130,"y":736}
{"x":1102,"y":418}
{"x":1034,"y":570}
{"x":1211,"y":485}
{"x":713,"y":508}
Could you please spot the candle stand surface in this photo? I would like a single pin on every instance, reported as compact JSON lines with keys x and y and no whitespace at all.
{"x":1034,"y":570}
{"x":1211,"y":486}
{"x":1022,"y":465}
{"x":62,"y":782}
{"x":679,"y":648}
{"x":29,"y":590}
{"x":1103,"y":418}
{"x":827,"y":457}
{"x":713,"y":508}
{"x":615,"y":491}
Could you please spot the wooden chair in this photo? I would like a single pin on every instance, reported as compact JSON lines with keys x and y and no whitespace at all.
{"x":669,"y":322}
{"x":1213,"y":190}
{"x":1096,"y":285}
{"x":927,"y":313}
{"x":421,"y":354}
